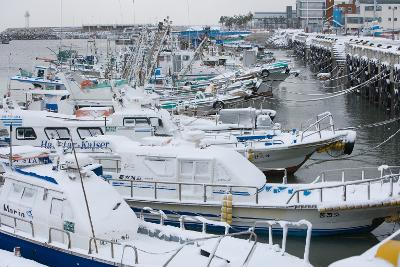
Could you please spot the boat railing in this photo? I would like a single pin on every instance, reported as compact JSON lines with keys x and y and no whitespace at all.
{"x":180,"y":185}
{"x":15,"y":220}
{"x":203,"y":221}
{"x":135,"y":251}
{"x":317,"y":124}
{"x":344,"y":185}
{"x":103,"y":242}
{"x":53,"y":229}
{"x":285,"y":227}
{"x":212,"y":255}
{"x":160,"y":213}
{"x":358,"y":173}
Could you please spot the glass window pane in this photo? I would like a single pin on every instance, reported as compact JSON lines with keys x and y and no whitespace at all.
{"x":20,"y":133}
{"x":142,"y":122}
{"x":95,"y":131}
{"x":187,"y":167}
{"x":56,"y":207}
{"x":63,"y":133}
{"x":202,"y":168}
{"x":84,"y":133}
{"x":52,"y":134}
{"x":28,"y":194}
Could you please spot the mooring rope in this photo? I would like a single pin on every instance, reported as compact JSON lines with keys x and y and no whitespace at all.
{"x":336,"y":94}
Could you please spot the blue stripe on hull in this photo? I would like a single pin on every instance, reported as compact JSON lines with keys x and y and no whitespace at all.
{"x":196,"y":226}
{"x":45,"y":255}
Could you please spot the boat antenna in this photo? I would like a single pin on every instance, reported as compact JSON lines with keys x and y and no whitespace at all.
{"x":84,"y":193}
{"x":61,"y":22}
{"x":11,"y":151}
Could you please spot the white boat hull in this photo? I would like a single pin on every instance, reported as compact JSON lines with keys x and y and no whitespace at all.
{"x":324,"y":223}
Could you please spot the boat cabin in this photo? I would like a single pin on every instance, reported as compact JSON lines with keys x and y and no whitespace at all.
{"x":47,"y":201}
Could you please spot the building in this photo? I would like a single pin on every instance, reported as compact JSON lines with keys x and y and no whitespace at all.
{"x":275,"y":20}
{"x":336,"y":10}
{"x":311,"y":14}
{"x":386,"y":13}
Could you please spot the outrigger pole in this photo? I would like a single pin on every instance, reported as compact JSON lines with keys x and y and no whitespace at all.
{"x":84,"y":194}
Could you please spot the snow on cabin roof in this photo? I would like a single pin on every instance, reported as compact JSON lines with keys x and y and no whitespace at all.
{"x":49,"y":92}
{"x":242,"y":171}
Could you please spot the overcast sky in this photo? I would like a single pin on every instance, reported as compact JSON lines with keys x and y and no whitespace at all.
{"x":78,"y":12}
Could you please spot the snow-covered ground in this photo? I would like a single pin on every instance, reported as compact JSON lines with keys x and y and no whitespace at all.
{"x":7,"y":259}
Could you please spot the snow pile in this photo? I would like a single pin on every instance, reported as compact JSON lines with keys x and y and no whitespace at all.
{"x":281,"y":37}
{"x":9,"y":260}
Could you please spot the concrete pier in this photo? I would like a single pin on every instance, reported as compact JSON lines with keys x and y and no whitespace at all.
{"x":354,"y":61}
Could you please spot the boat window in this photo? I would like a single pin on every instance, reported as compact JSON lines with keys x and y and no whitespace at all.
{"x":136,"y":122}
{"x":15,"y":192}
{"x":198,"y":171}
{"x":202,"y":167}
{"x":155,"y":122}
{"x":25,"y":134}
{"x":161,"y":166}
{"x":186,"y":168}
{"x":186,"y":58}
{"x":56,"y":207}
{"x":84,"y":132}
{"x":57,"y":133}
{"x":28,"y":195}
{"x":40,"y":73}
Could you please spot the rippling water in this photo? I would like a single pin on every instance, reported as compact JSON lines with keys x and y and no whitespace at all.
{"x":348,"y":110}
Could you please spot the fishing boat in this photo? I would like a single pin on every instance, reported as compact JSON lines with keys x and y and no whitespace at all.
{"x":265,"y":144}
{"x":384,"y":254}
{"x":42,"y":77}
{"x":37,"y":128}
{"x":183,"y":179}
{"x":62,"y":214}
{"x":253,"y":134}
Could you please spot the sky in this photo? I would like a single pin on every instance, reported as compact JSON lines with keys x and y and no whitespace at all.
{"x":78,"y":12}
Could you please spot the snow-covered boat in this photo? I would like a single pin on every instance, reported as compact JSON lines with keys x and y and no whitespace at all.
{"x":268,"y":146}
{"x":37,"y":128}
{"x":384,"y":254}
{"x":43,"y":77}
{"x":183,"y":179}
{"x":62,"y":214}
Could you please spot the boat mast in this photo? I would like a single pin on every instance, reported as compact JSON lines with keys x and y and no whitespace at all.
{"x":84,"y":193}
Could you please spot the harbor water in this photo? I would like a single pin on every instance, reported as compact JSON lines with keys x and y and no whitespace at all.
{"x":347,"y":110}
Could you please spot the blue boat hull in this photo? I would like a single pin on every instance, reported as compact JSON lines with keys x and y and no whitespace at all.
{"x":45,"y":254}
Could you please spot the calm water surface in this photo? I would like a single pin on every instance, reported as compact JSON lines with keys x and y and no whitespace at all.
{"x":348,"y":110}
